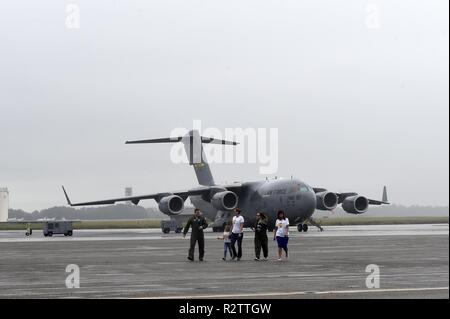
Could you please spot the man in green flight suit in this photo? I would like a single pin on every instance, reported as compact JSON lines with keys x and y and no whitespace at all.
{"x":198,"y":223}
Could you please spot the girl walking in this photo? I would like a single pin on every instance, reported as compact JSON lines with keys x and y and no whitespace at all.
{"x":226,"y":237}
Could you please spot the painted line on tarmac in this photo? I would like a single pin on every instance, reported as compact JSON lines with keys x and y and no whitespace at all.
{"x":294,"y":293}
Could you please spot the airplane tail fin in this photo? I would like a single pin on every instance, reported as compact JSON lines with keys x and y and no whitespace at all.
{"x":385,"y":197}
{"x":193,"y":145}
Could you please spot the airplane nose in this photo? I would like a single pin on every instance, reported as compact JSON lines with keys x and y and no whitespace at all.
{"x":312,"y":201}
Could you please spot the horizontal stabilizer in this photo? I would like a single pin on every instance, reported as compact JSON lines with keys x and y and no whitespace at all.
{"x":205,"y":140}
{"x":210,"y":140}
{"x":156,"y":140}
{"x":193,"y":146}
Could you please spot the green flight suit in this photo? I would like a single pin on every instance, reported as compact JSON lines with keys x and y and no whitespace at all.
{"x":197,"y":224}
{"x":261,"y":240}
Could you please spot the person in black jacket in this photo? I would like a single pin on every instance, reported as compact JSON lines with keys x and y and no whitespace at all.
{"x":261,"y":240}
{"x":198,"y":224}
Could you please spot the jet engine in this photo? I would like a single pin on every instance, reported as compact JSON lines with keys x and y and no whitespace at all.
{"x":355,"y":204}
{"x":225,"y":200}
{"x":326,"y":200}
{"x":171,"y":205}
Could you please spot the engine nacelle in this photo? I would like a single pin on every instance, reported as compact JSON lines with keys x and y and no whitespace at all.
{"x":225,"y":200}
{"x":171,"y":205}
{"x":355,"y":204}
{"x":326,"y":200}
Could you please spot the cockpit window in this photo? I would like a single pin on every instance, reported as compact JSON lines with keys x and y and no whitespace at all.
{"x":304,"y":189}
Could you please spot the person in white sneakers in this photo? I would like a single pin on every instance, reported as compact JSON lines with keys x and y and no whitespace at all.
{"x":281,"y":233}
{"x":237,"y":234}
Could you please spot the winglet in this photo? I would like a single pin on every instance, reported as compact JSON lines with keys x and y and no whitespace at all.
{"x":67,"y":197}
{"x":385,"y":197}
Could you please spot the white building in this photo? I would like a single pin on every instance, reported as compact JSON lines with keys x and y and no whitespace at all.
{"x":4,"y":204}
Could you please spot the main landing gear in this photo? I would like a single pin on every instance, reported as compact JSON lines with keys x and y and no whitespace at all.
{"x":304,"y":227}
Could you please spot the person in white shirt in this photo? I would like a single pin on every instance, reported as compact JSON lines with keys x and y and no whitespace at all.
{"x":281,"y":233}
{"x":237,"y":234}
{"x":226,"y":237}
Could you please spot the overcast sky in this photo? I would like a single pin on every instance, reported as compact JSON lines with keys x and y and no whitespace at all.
{"x":357,"y":89}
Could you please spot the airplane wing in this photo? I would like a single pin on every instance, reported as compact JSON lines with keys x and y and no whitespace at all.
{"x":42,"y":221}
{"x":235,"y":188}
{"x":377,"y":202}
{"x":136,"y":199}
{"x":343,"y":196}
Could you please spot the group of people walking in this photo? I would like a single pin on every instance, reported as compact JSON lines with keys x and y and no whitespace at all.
{"x":234,"y":234}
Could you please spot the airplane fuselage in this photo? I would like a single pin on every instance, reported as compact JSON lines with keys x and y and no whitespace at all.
{"x":294,"y":197}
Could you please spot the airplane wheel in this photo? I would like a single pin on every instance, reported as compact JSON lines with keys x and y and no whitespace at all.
{"x":300,"y":227}
{"x":305,"y":228}
{"x":166,"y":230}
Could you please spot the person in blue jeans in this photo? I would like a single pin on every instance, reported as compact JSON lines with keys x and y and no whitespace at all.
{"x":226,"y":237}
{"x":237,"y":234}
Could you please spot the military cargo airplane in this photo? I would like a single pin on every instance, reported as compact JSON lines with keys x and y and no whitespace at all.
{"x":295,"y":197}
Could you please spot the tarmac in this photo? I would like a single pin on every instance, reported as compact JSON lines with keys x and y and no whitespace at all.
{"x":413,"y":262}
